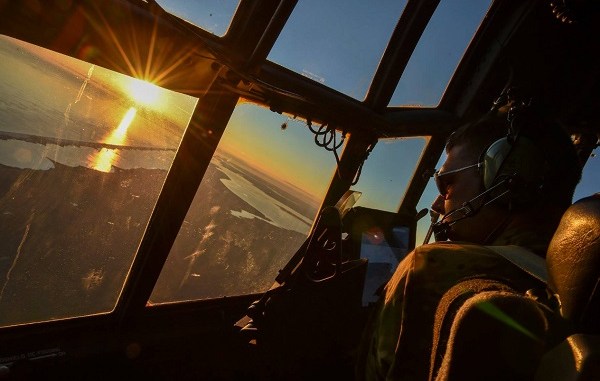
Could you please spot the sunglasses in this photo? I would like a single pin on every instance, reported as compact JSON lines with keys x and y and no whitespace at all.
{"x":444,"y":179}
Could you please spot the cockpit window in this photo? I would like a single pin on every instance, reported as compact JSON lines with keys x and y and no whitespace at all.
{"x":387,"y":172}
{"x":213,"y":16}
{"x":438,"y":52}
{"x":322,"y":38}
{"x":252,"y":211}
{"x":84,"y":152}
{"x":590,"y":178}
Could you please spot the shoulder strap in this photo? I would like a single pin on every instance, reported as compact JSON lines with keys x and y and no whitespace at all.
{"x":527,"y":261}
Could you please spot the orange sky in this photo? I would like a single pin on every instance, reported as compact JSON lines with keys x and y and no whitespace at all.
{"x":288,"y":156}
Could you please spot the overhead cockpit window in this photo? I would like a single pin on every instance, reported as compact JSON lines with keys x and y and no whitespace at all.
{"x":438,"y":52}
{"x":84,"y":152}
{"x":252,"y":211}
{"x":337,"y":43}
{"x":213,"y":16}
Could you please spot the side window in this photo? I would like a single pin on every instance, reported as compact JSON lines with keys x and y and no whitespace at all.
{"x":590,"y":178}
{"x":84,"y":152}
{"x":252,"y":211}
{"x":427,"y":199}
{"x":387,"y":172}
{"x":424,"y":223}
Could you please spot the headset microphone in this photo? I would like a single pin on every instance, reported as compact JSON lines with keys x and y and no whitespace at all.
{"x":441,"y":228}
{"x":435,"y":216}
{"x":470,"y":208}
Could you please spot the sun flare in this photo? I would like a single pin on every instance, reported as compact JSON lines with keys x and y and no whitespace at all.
{"x":144,"y":92}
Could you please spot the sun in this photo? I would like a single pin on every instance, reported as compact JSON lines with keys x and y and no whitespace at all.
{"x":144,"y":92}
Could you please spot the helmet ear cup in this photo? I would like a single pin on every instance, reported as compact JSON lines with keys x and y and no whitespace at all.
{"x":493,"y":160}
{"x":521,"y":161}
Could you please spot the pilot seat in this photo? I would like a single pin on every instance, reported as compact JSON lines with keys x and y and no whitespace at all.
{"x":488,"y":330}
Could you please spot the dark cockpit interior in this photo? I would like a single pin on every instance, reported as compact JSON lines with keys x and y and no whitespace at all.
{"x":217,"y":191}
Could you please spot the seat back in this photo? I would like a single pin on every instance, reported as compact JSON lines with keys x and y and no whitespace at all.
{"x":573,"y":261}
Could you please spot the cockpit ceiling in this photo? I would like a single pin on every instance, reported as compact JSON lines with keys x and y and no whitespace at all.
{"x":425,"y":43}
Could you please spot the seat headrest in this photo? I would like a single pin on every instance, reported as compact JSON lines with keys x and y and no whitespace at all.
{"x":573,"y":261}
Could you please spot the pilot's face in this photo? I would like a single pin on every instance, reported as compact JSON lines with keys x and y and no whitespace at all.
{"x":458,"y":188}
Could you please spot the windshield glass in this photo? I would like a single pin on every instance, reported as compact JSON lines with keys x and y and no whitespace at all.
{"x":252,"y":211}
{"x":590,"y":178}
{"x":214,"y":16}
{"x":84,"y":152}
{"x":440,"y":48}
{"x":322,"y":38}
{"x":387,"y":172}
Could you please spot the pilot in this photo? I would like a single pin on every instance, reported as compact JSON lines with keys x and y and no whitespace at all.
{"x":496,"y":188}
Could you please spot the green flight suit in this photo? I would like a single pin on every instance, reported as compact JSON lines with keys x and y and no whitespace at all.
{"x":400,"y":341}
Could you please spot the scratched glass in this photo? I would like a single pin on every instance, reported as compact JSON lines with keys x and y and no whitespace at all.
{"x":84,"y":152}
{"x":252,"y":211}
